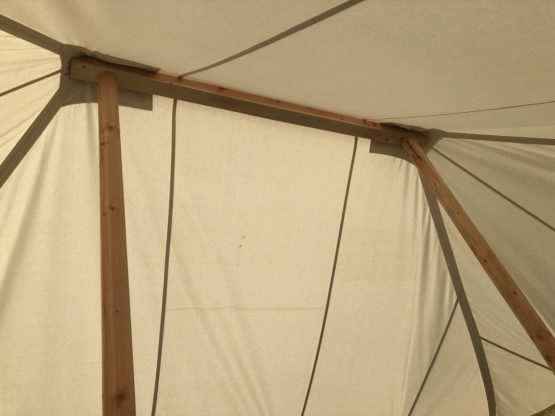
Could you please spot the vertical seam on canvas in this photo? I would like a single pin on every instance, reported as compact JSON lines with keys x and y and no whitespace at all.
{"x":332,"y":275}
{"x":166,"y":260}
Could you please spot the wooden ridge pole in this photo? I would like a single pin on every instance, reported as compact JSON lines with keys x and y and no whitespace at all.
{"x":118,"y":389}
{"x":517,"y":301}
{"x":172,"y":86}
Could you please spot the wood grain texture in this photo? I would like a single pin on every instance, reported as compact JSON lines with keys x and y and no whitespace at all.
{"x":118,"y":390}
{"x":157,"y":83}
{"x":517,"y":301}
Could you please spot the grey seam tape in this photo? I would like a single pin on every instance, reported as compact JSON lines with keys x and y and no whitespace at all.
{"x":470,"y":111}
{"x":461,"y":297}
{"x":21,"y":31}
{"x":166,"y":261}
{"x":436,"y":134}
{"x":279,"y":36}
{"x":336,"y":256}
{"x":29,"y":138}
{"x":516,"y":354}
{"x":432,"y":362}
{"x":502,"y":195}
{"x":29,"y":83}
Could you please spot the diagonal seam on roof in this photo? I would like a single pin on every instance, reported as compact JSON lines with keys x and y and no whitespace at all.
{"x":303,"y":25}
{"x":491,"y":188}
{"x":516,"y":354}
{"x":436,"y":134}
{"x":26,"y":84}
{"x":31,"y":135}
{"x":470,"y":111}
{"x":434,"y":357}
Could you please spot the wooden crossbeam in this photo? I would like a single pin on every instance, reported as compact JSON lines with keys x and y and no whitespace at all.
{"x":517,"y":301}
{"x":158,"y":83}
{"x":118,"y":388}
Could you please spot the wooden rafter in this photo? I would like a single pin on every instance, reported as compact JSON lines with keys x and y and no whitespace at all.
{"x":158,"y":83}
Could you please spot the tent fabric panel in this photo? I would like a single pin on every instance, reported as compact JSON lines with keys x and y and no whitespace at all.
{"x":523,"y":172}
{"x":20,"y":108}
{"x":50,"y":357}
{"x":497,"y":323}
{"x":21,"y":62}
{"x":192,"y":35}
{"x":256,"y":215}
{"x":522,"y":388}
{"x":237,"y":361}
{"x":494,"y":318}
{"x":258,"y":208}
{"x":424,"y":54}
{"x":391,"y":296}
{"x":454,"y":386}
{"x":146,"y":140}
{"x":246,"y":172}
{"x":516,"y":69}
{"x":462,"y":298}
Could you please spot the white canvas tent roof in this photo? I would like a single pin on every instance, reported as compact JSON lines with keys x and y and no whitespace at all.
{"x":236,"y":223}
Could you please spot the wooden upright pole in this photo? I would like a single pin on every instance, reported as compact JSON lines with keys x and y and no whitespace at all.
{"x":517,"y":301}
{"x":118,"y":389}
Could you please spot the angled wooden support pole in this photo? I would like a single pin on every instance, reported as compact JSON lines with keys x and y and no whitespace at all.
{"x":517,"y":301}
{"x":118,"y":389}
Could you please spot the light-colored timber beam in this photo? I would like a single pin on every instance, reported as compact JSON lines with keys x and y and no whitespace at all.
{"x":118,"y":387}
{"x":157,"y":83}
{"x":517,"y":301}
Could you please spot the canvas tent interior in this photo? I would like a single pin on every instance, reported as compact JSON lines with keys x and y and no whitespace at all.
{"x":235,"y":224}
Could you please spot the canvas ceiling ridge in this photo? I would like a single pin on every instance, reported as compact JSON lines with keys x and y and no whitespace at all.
{"x":462,"y":299}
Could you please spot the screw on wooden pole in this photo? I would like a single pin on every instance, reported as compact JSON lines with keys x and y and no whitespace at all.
{"x":118,"y":390}
{"x":517,"y":301}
